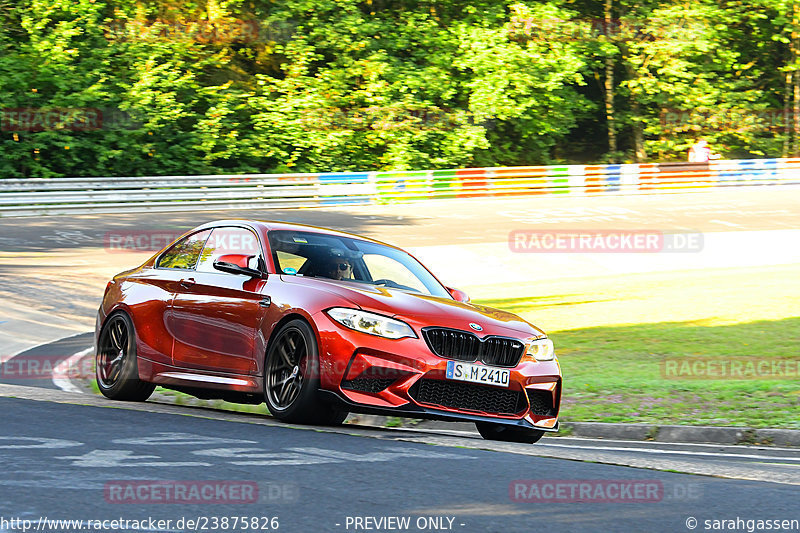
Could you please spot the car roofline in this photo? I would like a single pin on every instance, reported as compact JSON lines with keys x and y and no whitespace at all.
{"x":275,"y":225}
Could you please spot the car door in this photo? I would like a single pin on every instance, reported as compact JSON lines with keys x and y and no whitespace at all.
{"x":216,"y":316}
{"x":156,"y":288}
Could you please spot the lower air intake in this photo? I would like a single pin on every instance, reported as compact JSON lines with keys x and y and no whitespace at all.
{"x":373,"y":386}
{"x":467,"y":397}
{"x":541,"y":402}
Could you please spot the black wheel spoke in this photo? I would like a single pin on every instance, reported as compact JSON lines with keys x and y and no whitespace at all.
{"x":102,"y":365}
{"x":116,"y":366}
{"x":284,"y":369}
{"x":282,"y":395}
{"x":120,"y":334}
{"x":282,"y":351}
{"x":118,"y":330}
{"x":283,"y":381}
{"x":291,"y":391}
{"x":115,"y":373}
{"x":290,"y":340}
{"x":299,"y":351}
{"x":113,"y":334}
{"x":111,"y":359}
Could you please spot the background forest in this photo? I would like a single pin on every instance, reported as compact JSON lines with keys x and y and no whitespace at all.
{"x":126,"y":87}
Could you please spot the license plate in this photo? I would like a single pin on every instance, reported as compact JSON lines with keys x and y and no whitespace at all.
{"x":486,"y":375}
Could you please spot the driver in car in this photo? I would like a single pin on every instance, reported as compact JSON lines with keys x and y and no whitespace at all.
{"x":340,"y":268}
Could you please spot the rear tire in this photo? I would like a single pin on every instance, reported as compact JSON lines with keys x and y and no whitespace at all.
{"x":117,"y":371}
{"x":291,"y":378}
{"x":504,"y":433}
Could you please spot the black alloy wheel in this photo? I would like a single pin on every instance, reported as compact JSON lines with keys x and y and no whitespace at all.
{"x":116,"y":370}
{"x":291,"y":378}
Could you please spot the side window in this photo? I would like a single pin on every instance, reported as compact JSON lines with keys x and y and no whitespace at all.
{"x":185,"y":252}
{"x":224,"y":241}
{"x":289,"y":263}
{"x":384,"y":267}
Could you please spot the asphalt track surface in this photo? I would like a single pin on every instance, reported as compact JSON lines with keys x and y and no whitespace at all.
{"x":63,"y":461}
{"x":29,"y":370}
{"x":32,"y":368}
{"x":316,"y":479}
{"x":449,"y":221}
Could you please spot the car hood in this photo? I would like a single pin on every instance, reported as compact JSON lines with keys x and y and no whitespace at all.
{"x":424,"y":310}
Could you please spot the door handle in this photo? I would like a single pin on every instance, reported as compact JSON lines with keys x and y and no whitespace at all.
{"x":187,"y":283}
{"x":266,"y":301}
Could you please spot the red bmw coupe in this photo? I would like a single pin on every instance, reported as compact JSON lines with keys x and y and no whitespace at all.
{"x":318,"y":323}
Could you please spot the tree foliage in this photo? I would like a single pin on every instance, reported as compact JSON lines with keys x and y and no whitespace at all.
{"x":135,"y":87}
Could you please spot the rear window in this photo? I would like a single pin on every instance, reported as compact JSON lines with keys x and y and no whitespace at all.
{"x":183,"y":254}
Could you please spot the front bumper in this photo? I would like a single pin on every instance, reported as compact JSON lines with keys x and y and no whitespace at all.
{"x":413,"y":410}
{"x":368,"y":374}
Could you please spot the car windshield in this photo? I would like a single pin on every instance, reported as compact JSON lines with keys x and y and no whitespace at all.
{"x":302,"y":253}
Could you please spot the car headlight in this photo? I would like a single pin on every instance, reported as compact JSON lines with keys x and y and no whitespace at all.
{"x":541,"y":350}
{"x":371,"y":323}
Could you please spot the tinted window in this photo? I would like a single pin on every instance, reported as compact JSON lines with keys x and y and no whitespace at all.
{"x":350,"y":260}
{"x":184,"y":253}
{"x":225,"y":241}
{"x":384,"y":267}
{"x":289,"y":263}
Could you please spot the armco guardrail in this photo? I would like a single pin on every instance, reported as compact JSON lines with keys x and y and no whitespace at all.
{"x":26,"y":197}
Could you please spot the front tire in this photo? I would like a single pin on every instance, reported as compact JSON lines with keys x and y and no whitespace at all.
{"x":291,"y":378}
{"x":117,"y":371}
{"x":504,"y":433}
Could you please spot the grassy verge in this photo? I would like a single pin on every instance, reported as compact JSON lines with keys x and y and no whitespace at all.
{"x":181,"y":398}
{"x":615,"y":370}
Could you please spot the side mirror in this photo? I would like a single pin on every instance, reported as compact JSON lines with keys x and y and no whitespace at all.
{"x":458,"y":295}
{"x":237,"y":264}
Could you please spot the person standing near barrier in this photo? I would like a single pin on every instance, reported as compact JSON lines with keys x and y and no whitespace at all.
{"x":700,"y":152}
